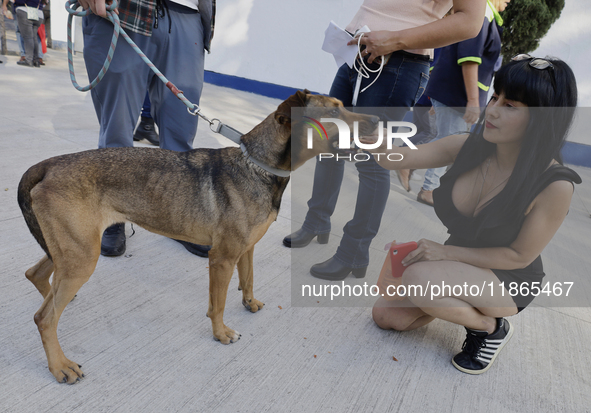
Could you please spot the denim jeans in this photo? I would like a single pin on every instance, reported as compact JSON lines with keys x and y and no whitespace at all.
{"x":449,"y":121}
{"x":401,"y":84}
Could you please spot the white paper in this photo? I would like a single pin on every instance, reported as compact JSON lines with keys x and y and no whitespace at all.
{"x":335,"y":42}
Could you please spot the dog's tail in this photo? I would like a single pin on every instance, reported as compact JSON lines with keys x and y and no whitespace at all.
{"x":30,"y":179}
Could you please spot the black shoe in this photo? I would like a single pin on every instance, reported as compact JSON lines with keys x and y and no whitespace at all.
{"x":145,"y":130}
{"x":113,"y":242}
{"x":301,"y":238}
{"x":333,"y":270}
{"x":24,"y":63}
{"x":196,"y":249}
{"x":480,"y":349}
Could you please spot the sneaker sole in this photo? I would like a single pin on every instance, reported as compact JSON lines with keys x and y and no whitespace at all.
{"x":474,"y":372}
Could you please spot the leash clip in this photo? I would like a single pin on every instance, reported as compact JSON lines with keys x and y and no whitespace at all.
{"x":214,"y":124}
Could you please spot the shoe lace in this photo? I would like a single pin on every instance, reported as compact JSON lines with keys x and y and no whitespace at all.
{"x":473,"y":344}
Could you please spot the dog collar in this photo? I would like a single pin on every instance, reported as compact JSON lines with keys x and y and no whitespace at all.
{"x":275,"y":171}
{"x":235,"y":136}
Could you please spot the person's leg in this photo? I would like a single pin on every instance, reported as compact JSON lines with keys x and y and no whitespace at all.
{"x":328,"y":174}
{"x":399,"y":315}
{"x":177,"y":50}
{"x":40,"y":47}
{"x":180,"y":56}
{"x":21,"y":43}
{"x":474,"y":298}
{"x":398,"y":88}
{"x":146,"y":128}
{"x":118,"y":97}
{"x":449,"y":121}
{"x":421,"y":119}
{"x":476,"y":301}
{"x":26,"y":28}
{"x":36,"y":41}
{"x":146,"y":107}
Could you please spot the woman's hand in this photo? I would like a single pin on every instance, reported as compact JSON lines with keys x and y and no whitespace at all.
{"x":472,"y":113}
{"x":426,"y":251}
{"x":378,"y":43}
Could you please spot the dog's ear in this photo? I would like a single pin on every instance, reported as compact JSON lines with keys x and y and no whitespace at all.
{"x":298,"y":100}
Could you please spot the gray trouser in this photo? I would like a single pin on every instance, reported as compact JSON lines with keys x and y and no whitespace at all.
{"x":28,"y":29}
{"x":119,"y":96}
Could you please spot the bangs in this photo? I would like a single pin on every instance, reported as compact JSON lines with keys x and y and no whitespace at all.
{"x":522,"y":83}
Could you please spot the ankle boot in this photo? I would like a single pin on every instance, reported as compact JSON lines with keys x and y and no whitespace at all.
{"x":301,"y":238}
{"x":333,"y":270}
{"x":113,"y":242}
{"x":195,"y":249}
{"x":145,"y":130}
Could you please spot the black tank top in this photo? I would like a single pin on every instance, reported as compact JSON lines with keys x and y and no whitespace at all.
{"x":478,"y":231}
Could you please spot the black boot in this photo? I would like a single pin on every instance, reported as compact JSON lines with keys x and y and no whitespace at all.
{"x":195,"y":249}
{"x":113,"y":242}
{"x":145,"y":130}
{"x":333,"y":270}
{"x":301,"y":238}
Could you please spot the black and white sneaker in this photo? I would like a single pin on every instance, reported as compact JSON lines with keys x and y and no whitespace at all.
{"x":480,"y":349}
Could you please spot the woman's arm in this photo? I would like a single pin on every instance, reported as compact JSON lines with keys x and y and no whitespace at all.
{"x":441,"y":152}
{"x":470,"y":76}
{"x":545,"y":217}
{"x":464,"y":23}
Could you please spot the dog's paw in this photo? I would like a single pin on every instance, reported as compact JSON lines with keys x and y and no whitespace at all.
{"x":253,"y":305}
{"x":67,"y":372}
{"x":227,"y":336}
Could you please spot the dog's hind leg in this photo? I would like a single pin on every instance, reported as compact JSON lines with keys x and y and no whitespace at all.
{"x":221,"y":268}
{"x":39,"y":275}
{"x":245,"y":273}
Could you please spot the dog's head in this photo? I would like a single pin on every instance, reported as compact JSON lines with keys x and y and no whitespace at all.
{"x":302,"y":113}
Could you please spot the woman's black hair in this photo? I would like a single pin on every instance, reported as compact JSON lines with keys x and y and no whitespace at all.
{"x":551,"y":104}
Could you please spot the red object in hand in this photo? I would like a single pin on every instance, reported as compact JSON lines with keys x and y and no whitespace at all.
{"x":397,"y":253}
{"x":389,"y":279}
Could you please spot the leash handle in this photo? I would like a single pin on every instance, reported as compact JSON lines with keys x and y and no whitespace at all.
{"x":71,"y":8}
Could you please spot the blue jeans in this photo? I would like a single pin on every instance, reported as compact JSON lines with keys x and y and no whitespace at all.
{"x":449,"y":121}
{"x":118,"y":98}
{"x":401,"y":84}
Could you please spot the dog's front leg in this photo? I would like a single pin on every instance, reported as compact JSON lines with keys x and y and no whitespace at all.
{"x":220,"y":273}
{"x":245,"y":274}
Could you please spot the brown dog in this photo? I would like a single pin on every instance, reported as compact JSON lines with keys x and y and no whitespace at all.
{"x":69,"y":200}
